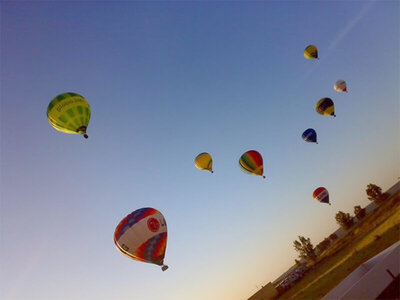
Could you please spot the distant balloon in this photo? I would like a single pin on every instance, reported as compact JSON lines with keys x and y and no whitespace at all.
{"x":252,"y":162}
{"x":310,"y":136}
{"x":142,"y":236}
{"x":203,"y":161}
{"x":311,"y":52}
{"x":325,"y":107}
{"x":321,"y":194}
{"x":340,"y":86}
{"x":69,"y":113}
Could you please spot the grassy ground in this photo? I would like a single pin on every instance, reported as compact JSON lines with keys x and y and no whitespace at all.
{"x":375,"y":233}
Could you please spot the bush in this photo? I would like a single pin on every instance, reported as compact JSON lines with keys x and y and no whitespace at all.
{"x":344,"y":220}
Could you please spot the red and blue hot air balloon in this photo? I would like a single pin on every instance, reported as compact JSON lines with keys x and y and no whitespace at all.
{"x":142,"y":236}
{"x":321,"y":194}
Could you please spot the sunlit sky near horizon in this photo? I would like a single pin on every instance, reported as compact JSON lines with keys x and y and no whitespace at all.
{"x":167,"y":81}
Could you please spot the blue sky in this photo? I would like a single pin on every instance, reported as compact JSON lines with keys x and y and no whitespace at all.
{"x":166,"y":81}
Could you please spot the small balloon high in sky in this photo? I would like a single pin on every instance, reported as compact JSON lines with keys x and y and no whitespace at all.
{"x":321,"y":195}
{"x":203,"y":161}
{"x":311,"y":52}
{"x":310,"y":136}
{"x":340,"y":86}
{"x":325,"y":107}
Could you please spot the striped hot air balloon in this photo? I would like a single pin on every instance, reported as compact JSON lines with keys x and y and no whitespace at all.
{"x":203,"y":161}
{"x":252,"y":162}
{"x":325,"y":107}
{"x":69,"y":113}
{"x":321,"y":194}
{"x":142,"y":236}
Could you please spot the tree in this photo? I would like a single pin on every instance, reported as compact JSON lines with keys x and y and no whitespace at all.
{"x":359,"y":212}
{"x":305,"y":248}
{"x":297,"y":262}
{"x":374,"y":193}
{"x":323,"y":245}
{"x":333,"y":236}
{"x":344,"y":220}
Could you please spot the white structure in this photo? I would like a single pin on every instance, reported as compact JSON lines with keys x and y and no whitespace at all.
{"x":370,"y":278}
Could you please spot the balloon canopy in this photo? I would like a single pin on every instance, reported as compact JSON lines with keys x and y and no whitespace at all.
{"x":340,"y":86}
{"x":142,"y":236}
{"x":310,"y":136}
{"x":252,"y":162}
{"x":321,"y":194}
{"x":325,"y":107}
{"x":69,"y":113}
{"x":311,"y":52}
{"x":203,"y":161}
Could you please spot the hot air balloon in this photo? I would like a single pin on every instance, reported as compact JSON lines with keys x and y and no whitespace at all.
{"x":252,"y":162}
{"x":325,"y":107}
{"x":340,"y":86}
{"x":321,"y":194}
{"x":142,"y":236}
{"x":310,"y":136}
{"x":69,"y":113}
{"x":203,"y":161}
{"x":311,"y":52}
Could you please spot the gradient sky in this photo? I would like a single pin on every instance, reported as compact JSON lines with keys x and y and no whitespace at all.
{"x":166,"y":81}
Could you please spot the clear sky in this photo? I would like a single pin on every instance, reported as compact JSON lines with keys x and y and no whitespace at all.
{"x":166,"y":81}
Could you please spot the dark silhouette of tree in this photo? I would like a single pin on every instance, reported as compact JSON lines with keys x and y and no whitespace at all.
{"x":374,"y":193}
{"x":359,"y":212}
{"x":323,"y":245}
{"x":305,"y":248}
{"x":333,"y":236}
{"x":344,"y":220}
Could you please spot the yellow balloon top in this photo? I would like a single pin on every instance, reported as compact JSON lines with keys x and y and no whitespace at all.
{"x":311,"y":52}
{"x":203,"y":161}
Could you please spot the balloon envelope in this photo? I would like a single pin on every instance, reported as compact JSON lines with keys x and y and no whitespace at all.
{"x":310,"y":135}
{"x":69,"y":113}
{"x":203,"y":161}
{"x":321,"y":194}
{"x":325,"y":107}
{"x":252,"y":162}
{"x":340,"y":86}
{"x":142,"y":236}
{"x":311,"y":52}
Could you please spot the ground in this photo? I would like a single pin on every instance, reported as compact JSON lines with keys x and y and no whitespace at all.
{"x":376,"y":232}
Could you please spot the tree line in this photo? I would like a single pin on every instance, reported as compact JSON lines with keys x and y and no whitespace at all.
{"x":305,"y":248}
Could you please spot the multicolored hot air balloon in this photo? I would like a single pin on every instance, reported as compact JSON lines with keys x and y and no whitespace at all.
{"x":203,"y":161}
{"x":321,"y":194}
{"x":69,"y":113}
{"x":310,"y":136}
{"x":252,"y":162}
{"x":340,"y":86}
{"x":325,"y":107}
{"x":311,"y":52}
{"x":142,"y":236}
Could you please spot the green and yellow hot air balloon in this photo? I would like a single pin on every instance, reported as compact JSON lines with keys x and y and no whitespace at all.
{"x":311,"y":52}
{"x":203,"y":161}
{"x":69,"y":113}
